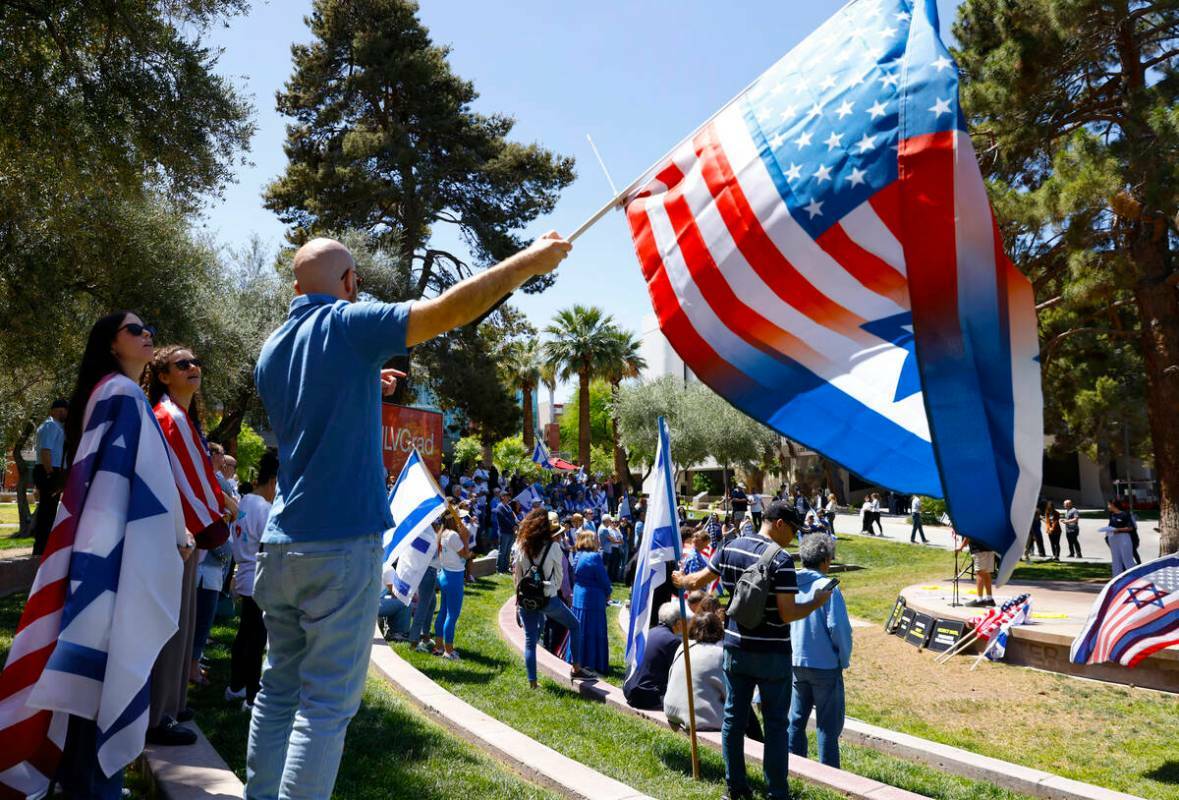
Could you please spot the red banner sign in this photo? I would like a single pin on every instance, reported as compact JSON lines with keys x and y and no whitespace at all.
{"x":403,"y":429}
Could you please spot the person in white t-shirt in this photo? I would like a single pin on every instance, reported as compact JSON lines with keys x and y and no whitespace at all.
{"x":245,"y":670}
{"x":452,"y":561}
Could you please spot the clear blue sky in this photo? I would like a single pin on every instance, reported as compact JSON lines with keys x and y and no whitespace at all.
{"x":638,"y":77}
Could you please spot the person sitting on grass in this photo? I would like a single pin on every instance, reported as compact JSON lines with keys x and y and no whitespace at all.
{"x":706,"y":631}
{"x":822,"y":647}
{"x":648,"y":682}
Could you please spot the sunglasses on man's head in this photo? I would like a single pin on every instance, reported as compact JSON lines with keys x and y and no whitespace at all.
{"x":135,"y":329}
{"x":185,"y":363}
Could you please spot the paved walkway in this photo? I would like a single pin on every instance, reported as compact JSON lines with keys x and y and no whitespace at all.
{"x":1092,"y":541}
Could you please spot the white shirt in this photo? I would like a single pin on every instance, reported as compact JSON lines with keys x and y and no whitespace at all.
{"x":245,"y":536}
{"x":755,"y":503}
{"x":915,"y":508}
{"x":448,"y":552}
{"x":552,"y":568}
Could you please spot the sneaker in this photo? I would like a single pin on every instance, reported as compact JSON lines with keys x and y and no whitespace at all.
{"x":170,"y":734}
{"x":582,"y":674}
{"x":231,"y":695}
{"x":398,"y":637}
{"x":452,"y":656}
{"x":989,"y":602}
{"x":975,"y":603}
{"x":423,"y":647}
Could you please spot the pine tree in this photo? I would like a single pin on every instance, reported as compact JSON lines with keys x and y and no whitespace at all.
{"x":1073,"y":108}
{"x":383,"y":139}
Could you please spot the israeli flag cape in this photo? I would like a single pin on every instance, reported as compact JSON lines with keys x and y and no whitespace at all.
{"x":660,"y":545}
{"x":541,"y":456}
{"x":105,"y":599}
{"x":414,"y":502}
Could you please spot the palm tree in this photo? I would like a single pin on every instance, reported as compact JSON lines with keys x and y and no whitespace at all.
{"x":624,"y":361}
{"x":522,"y":364}
{"x":580,"y":341}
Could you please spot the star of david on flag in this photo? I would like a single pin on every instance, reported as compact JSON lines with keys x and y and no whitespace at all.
{"x":1136,"y":614}
{"x":822,"y":253}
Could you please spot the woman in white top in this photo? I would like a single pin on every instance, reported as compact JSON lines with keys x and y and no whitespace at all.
{"x":452,"y":560}
{"x":537,"y":549}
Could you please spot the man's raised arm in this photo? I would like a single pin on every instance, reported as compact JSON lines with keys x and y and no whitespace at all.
{"x":467,"y":300}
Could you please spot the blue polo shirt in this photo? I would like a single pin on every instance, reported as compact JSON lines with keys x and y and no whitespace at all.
{"x":319,"y":378}
{"x":51,"y":437}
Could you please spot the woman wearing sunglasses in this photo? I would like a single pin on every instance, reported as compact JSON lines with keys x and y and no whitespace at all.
{"x":172,"y":382}
{"x":106,"y":595}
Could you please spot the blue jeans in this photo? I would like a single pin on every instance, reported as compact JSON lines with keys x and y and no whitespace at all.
{"x":319,"y":604}
{"x":770,"y":674}
{"x":395,"y":613}
{"x":822,"y":690}
{"x":503,"y":561}
{"x":424,"y":611}
{"x":557,"y":611}
{"x":206,"y":611}
{"x":917,"y":529}
{"x":451,"y":584}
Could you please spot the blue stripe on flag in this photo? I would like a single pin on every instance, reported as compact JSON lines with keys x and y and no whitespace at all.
{"x":422,"y":543}
{"x":77,"y":659}
{"x":410,"y":523}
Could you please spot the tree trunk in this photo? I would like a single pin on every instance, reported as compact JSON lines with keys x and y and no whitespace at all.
{"x":529,"y":422}
{"x":1104,"y":481}
{"x":24,"y":518}
{"x":621,"y":467}
{"x":833,"y":486}
{"x":1158,"y":311}
{"x":583,"y":418}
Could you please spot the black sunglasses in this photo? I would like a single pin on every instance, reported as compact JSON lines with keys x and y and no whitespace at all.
{"x":185,"y":363}
{"x":135,"y":329}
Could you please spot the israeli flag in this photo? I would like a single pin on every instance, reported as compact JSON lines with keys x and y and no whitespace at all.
{"x":526,"y":498}
{"x":415,"y":502}
{"x":540,"y":455}
{"x":661,"y":544}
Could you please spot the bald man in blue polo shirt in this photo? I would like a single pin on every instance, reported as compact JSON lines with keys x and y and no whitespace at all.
{"x":319,"y":570}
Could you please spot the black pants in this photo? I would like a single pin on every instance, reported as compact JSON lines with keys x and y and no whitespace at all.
{"x":1035,"y":537}
{"x":49,"y":494}
{"x":78,"y":773}
{"x":756,"y":519}
{"x":1073,"y":535}
{"x":1054,"y":542}
{"x":245,"y":669}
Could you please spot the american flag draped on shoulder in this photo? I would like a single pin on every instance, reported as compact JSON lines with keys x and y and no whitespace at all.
{"x":415,"y":501}
{"x":1136,"y":614}
{"x":660,"y":546}
{"x":105,"y":600}
{"x":822,"y":253}
{"x":192,"y":469}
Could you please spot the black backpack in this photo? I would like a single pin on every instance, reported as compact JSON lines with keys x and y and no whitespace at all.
{"x":530,"y":594}
{"x":747,"y":607}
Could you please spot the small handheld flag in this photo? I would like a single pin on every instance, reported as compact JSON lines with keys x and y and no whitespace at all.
{"x":660,"y":546}
{"x":1136,"y":614}
{"x":541,"y":456}
{"x":415,"y":502}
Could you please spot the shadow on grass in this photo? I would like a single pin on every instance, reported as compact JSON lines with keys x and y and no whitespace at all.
{"x":1167,"y":772}
{"x":680,"y":760}
{"x":1061,"y":571}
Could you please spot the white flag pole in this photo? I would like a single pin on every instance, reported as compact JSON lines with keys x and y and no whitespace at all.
{"x":619,"y":199}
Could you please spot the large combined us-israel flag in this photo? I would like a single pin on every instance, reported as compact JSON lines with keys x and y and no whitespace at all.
{"x":822,"y":253}
{"x":660,"y":545}
{"x":415,"y":502}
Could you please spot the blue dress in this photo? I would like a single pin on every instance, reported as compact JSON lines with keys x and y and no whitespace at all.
{"x":591,"y":590}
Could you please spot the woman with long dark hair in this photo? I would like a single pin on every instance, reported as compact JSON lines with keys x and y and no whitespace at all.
{"x":538,"y":558}
{"x":106,"y":595}
{"x":172,"y":382}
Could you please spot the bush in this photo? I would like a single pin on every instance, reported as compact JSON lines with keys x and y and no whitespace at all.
{"x":932,"y":509}
{"x":467,"y":452}
{"x":250,"y":448}
{"x":511,"y":457}
{"x":700,"y":483}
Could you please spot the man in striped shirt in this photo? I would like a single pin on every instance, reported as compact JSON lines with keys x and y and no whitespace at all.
{"x":758,"y":657}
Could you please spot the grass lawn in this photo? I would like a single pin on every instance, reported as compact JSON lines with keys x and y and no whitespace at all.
{"x":653,"y":759}
{"x":1113,"y":736}
{"x":9,"y":517}
{"x":391,"y":747}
